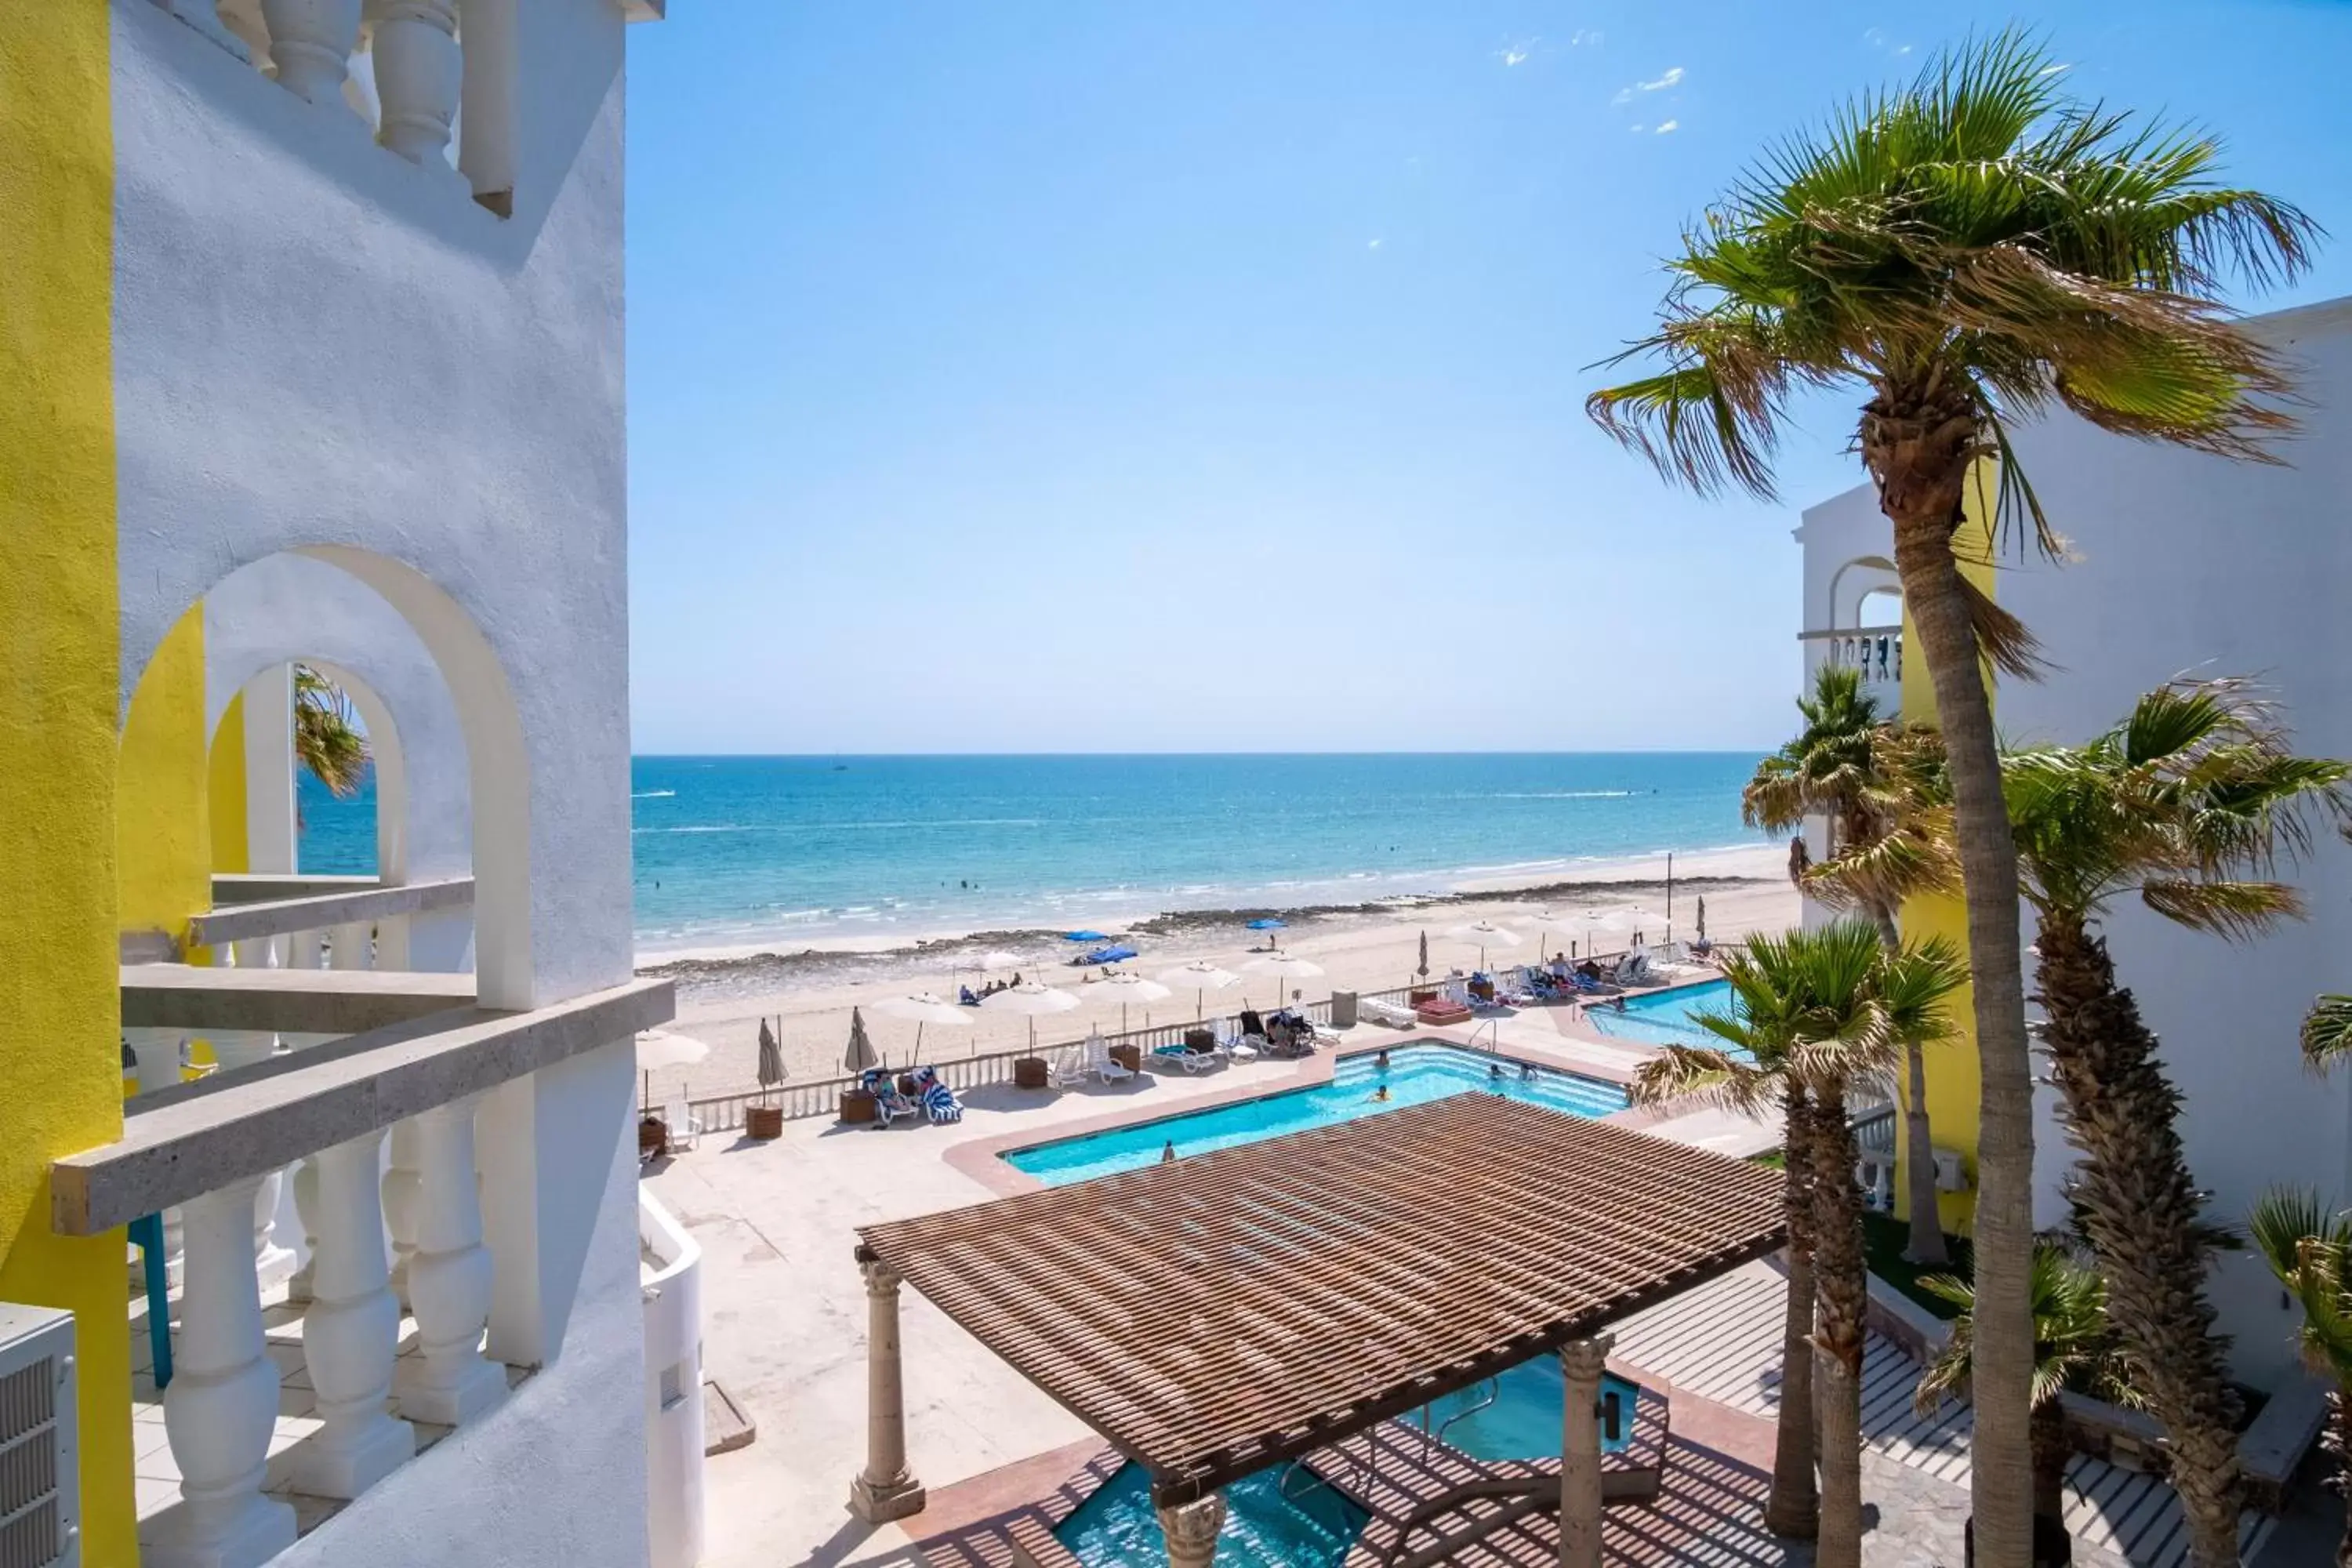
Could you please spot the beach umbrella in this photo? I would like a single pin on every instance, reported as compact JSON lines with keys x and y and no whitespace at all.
{"x":1126,"y":988}
{"x":1599,"y":920}
{"x":922,"y":1008}
{"x":1033,"y":999}
{"x":771,"y":1058}
{"x":860,"y":1055}
{"x":1641,"y":920}
{"x":997,"y":958}
{"x":1487,"y":934}
{"x":1284,"y":966}
{"x":1424,"y":955}
{"x":1199,"y":977}
{"x":1083,"y":936}
{"x":659,"y":1049}
{"x":1266,"y":923}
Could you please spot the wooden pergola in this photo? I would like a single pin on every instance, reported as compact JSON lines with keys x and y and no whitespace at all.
{"x":1218,"y":1314}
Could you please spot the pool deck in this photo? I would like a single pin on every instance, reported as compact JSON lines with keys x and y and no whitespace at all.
{"x":784,"y":1307}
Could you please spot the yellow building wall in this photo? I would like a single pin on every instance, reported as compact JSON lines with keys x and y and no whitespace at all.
{"x":163,"y":834}
{"x":224,"y":794}
{"x":1954,"y":1080}
{"x":60,"y":1065}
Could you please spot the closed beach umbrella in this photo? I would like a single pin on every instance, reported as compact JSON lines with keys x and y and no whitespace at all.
{"x":1033,"y":999}
{"x":1199,"y":977}
{"x":860,"y":1055}
{"x":1284,"y":966}
{"x":1424,"y":955}
{"x":659,"y":1049}
{"x":1487,"y":934}
{"x":922,"y":1008}
{"x":771,"y":1058}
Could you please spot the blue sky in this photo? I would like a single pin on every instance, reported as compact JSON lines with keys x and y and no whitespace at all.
{"x":1086,"y":375}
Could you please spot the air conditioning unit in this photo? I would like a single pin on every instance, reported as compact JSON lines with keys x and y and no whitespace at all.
{"x":1874,"y":1174}
{"x":1951,"y":1174}
{"x":40,"y":1493}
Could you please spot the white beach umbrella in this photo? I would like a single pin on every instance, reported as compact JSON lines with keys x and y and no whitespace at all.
{"x":997,"y":958}
{"x":1124,"y":989}
{"x":1486,"y":935}
{"x":659,"y":1049}
{"x":1199,"y":977}
{"x":1597,"y":919}
{"x":1284,"y":966}
{"x":922,"y":1008}
{"x":1033,"y":999}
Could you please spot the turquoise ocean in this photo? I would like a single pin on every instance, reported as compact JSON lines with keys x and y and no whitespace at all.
{"x":784,"y":851}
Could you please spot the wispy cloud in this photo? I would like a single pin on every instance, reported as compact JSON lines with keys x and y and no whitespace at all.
{"x":1877,"y":39}
{"x":1625,"y":97}
{"x":1373,"y":245}
{"x":1519,"y":53}
{"x":1582,"y":37}
{"x":1667,"y":126}
{"x":1672,"y":79}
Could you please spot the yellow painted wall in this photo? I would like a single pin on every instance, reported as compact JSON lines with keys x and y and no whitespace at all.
{"x":225,"y":796}
{"x":1953,"y":1079}
{"x":60,"y":1078}
{"x":162,"y":836}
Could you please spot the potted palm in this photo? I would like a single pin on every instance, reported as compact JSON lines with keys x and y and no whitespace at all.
{"x":766,"y":1119}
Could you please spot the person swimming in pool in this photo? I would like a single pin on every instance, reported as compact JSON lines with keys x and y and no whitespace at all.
{"x":1527,"y":1071}
{"x":1380,"y":1094}
{"x":1381,"y":1059}
{"x":1493,"y":1070}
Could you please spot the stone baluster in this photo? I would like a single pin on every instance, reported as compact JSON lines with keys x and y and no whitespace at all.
{"x":204,"y":15}
{"x":222,"y":1407}
{"x":418,"y":72}
{"x":449,"y":1382}
{"x":885,"y":1490}
{"x":351,"y":1332}
{"x":157,"y":1053}
{"x":1191,"y":1530}
{"x":311,"y":41}
{"x":352,"y":946}
{"x":298,"y":1286}
{"x":1581,"y":1364}
{"x":404,"y":1188}
{"x":303,"y":950}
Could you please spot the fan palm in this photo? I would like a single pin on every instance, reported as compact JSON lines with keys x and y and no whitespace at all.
{"x":2310,"y":1250}
{"x":2184,"y":803}
{"x":2071,"y":1348}
{"x":328,"y":740}
{"x":1966,"y":250}
{"x":1889,"y":839}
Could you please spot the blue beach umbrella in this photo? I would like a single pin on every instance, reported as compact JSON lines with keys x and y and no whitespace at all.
{"x":1083,"y":936}
{"x":1267,"y":924}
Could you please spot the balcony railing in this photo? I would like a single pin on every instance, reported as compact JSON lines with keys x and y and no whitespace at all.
{"x":1875,"y":651}
{"x":288,"y":1394}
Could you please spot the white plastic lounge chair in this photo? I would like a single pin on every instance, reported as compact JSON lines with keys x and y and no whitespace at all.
{"x":685,"y":1132}
{"x":1191,"y":1061}
{"x":1394,"y":1014}
{"x":890,"y":1106}
{"x":1097,"y":1059}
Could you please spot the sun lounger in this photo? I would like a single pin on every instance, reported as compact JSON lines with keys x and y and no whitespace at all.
{"x":939,"y":1102}
{"x":1190,"y":1060}
{"x":685,"y":1132}
{"x":889,"y":1104}
{"x":1395,"y":1015}
{"x":1442,"y":1010}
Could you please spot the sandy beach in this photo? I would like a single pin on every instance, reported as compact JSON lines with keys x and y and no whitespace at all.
{"x":808,"y":991}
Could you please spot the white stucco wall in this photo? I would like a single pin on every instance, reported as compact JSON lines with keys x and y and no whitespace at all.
{"x":2183,"y":564}
{"x":322,"y":351}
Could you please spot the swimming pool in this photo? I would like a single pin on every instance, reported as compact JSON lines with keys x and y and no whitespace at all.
{"x":1668,"y":1017}
{"x":1415,"y":1075}
{"x":1116,"y":1528}
{"x":1519,"y":1415}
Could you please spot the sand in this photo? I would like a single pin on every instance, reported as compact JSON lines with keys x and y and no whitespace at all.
{"x":807,"y":995}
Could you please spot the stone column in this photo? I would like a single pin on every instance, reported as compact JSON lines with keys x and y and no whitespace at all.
{"x":350,"y":1332}
{"x":1581,"y":1363}
{"x":222,"y":1407}
{"x":418,"y":65}
{"x":885,"y":1490}
{"x":352,"y":946}
{"x":1191,"y":1530}
{"x":449,"y":1382}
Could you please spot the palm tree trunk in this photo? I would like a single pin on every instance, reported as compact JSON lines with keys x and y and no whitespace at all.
{"x":1919,"y":445}
{"x":1923,"y":1222}
{"x":1842,"y":1284}
{"x":2051,"y":1450}
{"x":2140,"y":1208}
{"x":1793,"y":1508}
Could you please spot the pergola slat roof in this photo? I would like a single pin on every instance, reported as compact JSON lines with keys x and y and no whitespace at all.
{"x":1220,"y":1313}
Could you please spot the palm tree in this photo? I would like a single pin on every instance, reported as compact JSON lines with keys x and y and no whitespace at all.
{"x":1889,"y":840}
{"x":2308,"y":1249}
{"x":2194,"y":791}
{"x":2071,"y":1348}
{"x":328,"y":740}
{"x":1970,"y":249}
{"x":1751,"y":1072}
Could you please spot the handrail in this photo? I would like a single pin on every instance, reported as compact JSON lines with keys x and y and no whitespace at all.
{"x":316,"y":911}
{"x":1825,"y":634}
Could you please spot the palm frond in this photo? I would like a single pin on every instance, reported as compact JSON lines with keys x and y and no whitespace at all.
{"x":2326,"y":1036}
{"x":2237,"y":911}
{"x":328,"y":739}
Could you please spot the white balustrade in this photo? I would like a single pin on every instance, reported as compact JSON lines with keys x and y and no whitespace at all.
{"x":351,"y":1331}
{"x":403,"y":1187}
{"x":204,"y":15}
{"x":352,"y":946}
{"x":157,"y":1053}
{"x":222,"y":1405}
{"x":449,"y":1382}
{"x":298,"y":1286}
{"x":311,"y":41}
{"x":418,"y":72}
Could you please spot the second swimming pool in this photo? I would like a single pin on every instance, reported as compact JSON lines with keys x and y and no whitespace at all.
{"x":1415,"y":1074}
{"x":1668,"y":1017}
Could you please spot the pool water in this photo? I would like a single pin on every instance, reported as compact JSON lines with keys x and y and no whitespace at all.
{"x":1415,"y":1075}
{"x":1668,"y":1017}
{"x":1116,"y":1528}
{"x":1523,"y":1421}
